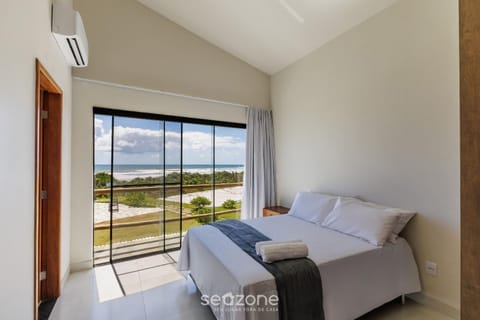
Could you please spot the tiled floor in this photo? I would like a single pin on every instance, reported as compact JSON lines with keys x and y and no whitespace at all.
{"x":147,"y":273}
{"x":155,"y":290}
{"x":174,"y":300}
{"x":409,"y":311}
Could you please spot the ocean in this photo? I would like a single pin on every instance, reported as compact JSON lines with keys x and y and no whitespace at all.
{"x":132,"y":171}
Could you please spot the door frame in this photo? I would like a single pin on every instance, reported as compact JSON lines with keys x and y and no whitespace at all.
{"x":48,"y":94}
{"x":469,"y":15}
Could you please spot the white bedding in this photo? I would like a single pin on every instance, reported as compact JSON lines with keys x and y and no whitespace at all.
{"x":356,"y":276}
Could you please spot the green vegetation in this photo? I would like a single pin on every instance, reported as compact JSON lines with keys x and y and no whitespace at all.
{"x":133,"y":199}
{"x":139,"y":200}
{"x":102,"y":236}
{"x":102,"y":179}
{"x":199,"y":207}
{"x":154,"y":198}
{"x":229,"y":204}
{"x":233,"y":215}
{"x":150,"y":199}
{"x":199,"y":203}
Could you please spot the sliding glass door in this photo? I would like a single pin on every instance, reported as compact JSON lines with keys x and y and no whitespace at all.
{"x":229,"y":168}
{"x":156,"y":176}
{"x":173,"y":185}
{"x":138,"y":213}
{"x":198,"y":174}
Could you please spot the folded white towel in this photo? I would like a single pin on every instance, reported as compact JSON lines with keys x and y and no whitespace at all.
{"x":260,"y":244}
{"x":276,"y":252}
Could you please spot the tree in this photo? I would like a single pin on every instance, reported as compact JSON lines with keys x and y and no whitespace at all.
{"x":200,"y":204}
{"x":229,"y":204}
{"x":102,"y":180}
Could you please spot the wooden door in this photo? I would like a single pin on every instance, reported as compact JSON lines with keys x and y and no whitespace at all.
{"x":48,"y":155}
{"x":42,"y":208}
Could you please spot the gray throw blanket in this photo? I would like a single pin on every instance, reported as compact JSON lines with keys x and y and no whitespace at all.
{"x":298,"y":281}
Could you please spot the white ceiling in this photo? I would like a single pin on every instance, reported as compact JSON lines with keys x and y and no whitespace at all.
{"x":268,"y":34}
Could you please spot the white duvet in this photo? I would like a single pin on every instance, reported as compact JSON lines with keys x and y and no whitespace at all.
{"x":356,"y":276}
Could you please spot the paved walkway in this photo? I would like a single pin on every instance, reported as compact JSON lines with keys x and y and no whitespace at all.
{"x":102,"y":211}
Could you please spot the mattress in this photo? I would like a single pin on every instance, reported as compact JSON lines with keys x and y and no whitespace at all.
{"x":356,"y":276}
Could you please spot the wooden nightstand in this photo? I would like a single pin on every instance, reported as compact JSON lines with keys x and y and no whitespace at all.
{"x":274,"y":211}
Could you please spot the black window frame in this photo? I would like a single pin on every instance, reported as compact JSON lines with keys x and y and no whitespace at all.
{"x":165,"y":118}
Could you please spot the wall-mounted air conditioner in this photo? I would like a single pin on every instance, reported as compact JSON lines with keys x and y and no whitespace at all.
{"x":67,"y":27}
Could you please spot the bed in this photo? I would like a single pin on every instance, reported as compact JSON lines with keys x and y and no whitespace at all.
{"x":356,"y":275}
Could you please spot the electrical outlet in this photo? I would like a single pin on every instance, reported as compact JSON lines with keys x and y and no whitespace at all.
{"x":431,"y":268}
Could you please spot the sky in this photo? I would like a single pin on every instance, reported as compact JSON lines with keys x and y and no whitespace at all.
{"x":140,"y":141}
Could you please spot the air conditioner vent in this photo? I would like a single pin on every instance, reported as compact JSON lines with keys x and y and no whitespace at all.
{"x":68,"y":30}
{"x":76,"y":52}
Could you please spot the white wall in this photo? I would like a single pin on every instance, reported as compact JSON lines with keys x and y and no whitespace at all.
{"x":375,"y":113}
{"x":154,"y":53}
{"x":24,"y":35}
{"x":86,"y":95}
{"x":133,"y":45}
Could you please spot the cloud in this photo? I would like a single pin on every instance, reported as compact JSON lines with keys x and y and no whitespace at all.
{"x":99,"y":131}
{"x":197,"y":145}
{"x":229,"y":142}
{"x":102,"y":138}
{"x":137,"y":140}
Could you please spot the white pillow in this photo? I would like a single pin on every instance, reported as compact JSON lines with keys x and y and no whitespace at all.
{"x":362,"y":220}
{"x":312,"y":206}
{"x":404,"y":217}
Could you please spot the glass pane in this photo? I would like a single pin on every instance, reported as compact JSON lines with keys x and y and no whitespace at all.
{"x":167,"y":177}
{"x":137,"y":204}
{"x":198,"y":198}
{"x":102,"y":167}
{"x":173,"y":156}
{"x":229,"y":169}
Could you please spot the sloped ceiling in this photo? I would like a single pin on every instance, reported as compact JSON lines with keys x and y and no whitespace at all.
{"x":268,"y":34}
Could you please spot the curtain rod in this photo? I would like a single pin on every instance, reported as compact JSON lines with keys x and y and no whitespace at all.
{"x":166,"y":93}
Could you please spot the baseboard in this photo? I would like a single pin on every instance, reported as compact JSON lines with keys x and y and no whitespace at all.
{"x":65,"y":278}
{"x":435,"y":304}
{"x":81,"y":266}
